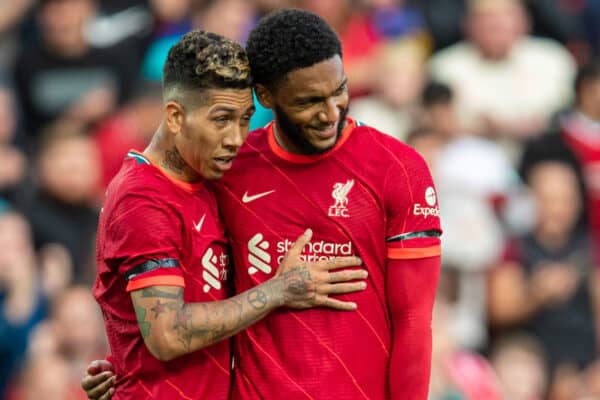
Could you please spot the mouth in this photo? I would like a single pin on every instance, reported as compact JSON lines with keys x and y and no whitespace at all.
{"x":326,"y":132}
{"x":223,"y":163}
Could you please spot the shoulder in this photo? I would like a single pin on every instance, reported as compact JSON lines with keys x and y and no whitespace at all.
{"x":384,"y":146}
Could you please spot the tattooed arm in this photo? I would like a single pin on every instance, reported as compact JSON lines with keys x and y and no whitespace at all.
{"x":170,"y":327}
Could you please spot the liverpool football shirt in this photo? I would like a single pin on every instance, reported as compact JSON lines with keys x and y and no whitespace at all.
{"x":370,"y":196}
{"x":156,"y":231}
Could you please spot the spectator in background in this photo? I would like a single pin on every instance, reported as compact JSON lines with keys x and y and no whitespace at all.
{"x":12,"y":160}
{"x":520,"y":365}
{"x":62,"y":207}
{"x":22,"y":304}
{"x":581,"y":132}
{"x":62,"y":75}
{"x":398,"y":81}
{"x":363,"y":27}
{"x":11,"y":14}
{"x":547,"y":283}
{"x":507,"y":83}
{"x":131,"y":127}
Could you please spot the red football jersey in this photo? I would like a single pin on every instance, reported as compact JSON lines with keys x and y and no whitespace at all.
{"x":583,"y":138}
{"x":367,"y":196}
{"x":157,"y":231}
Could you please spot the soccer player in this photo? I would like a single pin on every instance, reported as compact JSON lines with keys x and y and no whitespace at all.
{"x":368,"y":195}
{"x":162,"y":252}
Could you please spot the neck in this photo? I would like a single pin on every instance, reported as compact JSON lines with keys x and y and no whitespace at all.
{"x":284,"y":141}
{"x":162,"y":152}
{"x":551,"y":240}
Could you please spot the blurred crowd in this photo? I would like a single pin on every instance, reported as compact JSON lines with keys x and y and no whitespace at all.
{"x":501,"y":97}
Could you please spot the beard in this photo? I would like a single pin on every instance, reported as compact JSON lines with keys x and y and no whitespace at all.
{"x":294,"y":134}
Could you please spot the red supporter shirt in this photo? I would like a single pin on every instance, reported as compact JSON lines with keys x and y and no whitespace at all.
{"x":157,"y":231}
{"x":363,"y":197}
{"x":583,"y":138}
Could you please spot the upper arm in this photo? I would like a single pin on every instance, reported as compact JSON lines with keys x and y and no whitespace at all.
{"x":412,"y":235}
{"x":142,"y":244}
{"x":158,"y":311}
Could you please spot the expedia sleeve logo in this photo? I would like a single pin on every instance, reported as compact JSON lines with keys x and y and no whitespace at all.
{"x":430,"y":207}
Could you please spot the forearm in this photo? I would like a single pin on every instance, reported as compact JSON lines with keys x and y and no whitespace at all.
{"x":411,"y":291}
{"x":170,"y":327}
{"x":410,"y":360}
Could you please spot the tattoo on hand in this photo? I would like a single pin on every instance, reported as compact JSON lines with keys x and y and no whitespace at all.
{"x":140,"y":313}
{"x":295,"y":280}
{"x":173,"y":161}
{"x":257,"y":299}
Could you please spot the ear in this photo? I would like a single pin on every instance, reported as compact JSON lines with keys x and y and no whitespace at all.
{"x":174,"y":115}
{"x":264,"y":96}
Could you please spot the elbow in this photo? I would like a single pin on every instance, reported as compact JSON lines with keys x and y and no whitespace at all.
{"x":164,"y":348}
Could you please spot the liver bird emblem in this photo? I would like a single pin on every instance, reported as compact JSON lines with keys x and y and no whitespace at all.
{"x":340,"y":193}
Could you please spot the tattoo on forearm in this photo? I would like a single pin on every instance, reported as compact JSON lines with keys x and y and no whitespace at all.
{"x":173,"y":161}
{"x":153,"y":292}
{"x":140,"y":313}
{"x":183,"y":327}
{"x":257,"y":299}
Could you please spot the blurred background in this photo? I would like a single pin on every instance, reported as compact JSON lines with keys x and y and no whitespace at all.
{"x":501,"y":97}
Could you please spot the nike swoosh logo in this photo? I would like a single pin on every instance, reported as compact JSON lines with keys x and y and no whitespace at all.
{"x":198,"y":226}
{"x":247,"y":199}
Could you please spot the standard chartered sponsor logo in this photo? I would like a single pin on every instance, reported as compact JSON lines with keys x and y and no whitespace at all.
{"x":258,"y":257}
{"x":210,"y":272}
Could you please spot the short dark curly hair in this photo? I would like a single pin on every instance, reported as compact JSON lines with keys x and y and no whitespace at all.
{"x":205,"y":60}
{"x":286,"y":40}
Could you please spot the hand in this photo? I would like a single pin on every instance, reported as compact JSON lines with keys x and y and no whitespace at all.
{"x":99,"y":380}
{"x":554,"y":283}
{"x":305,"y":284}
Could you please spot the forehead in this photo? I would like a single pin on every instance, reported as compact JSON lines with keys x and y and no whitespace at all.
{"x":319,"y":79}
{"x":233,"y":99}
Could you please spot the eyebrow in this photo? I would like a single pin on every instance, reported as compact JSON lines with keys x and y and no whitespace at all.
{"x":231,"y":109}
{"x":316,"y":99}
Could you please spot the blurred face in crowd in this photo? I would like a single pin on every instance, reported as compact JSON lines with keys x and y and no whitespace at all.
{"x":15,"y":243}
{"x":7,"y":116}
{"x":78,"y":323}
{"x":521,"y":373}
{"x":589,"y":98}
{"x":170,"y":10}
{"x":310,"y":105}
{"x":557,"y":197}
{"x":69,"y":169}
{"x":400,"y":74}
{"x":209,"y":134}
{"x":229,"y":18}
{"x":47,"y":377}
{"x":494,"y":26}
{"x":62,"y":23}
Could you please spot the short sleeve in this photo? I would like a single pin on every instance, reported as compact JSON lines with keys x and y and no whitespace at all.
{"x":142,"y":243}
{"x":413,"y":215}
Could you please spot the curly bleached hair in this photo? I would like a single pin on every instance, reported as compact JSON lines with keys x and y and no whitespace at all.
{"x":205,"y":60}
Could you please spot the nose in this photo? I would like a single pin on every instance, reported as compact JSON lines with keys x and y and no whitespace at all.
{"x":330,"y":113}
{"x":235,"y":138}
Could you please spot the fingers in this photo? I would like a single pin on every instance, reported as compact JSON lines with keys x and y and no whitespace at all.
{"x":341,"y":262}
{"x":339,"y":305}
{"x":98,"y":366}
{"x":348,"y":275}
{"x":108,"y":395}
{"x":343,"y":288}
{"x":97,"y":385}
{"x":299,"y":244}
